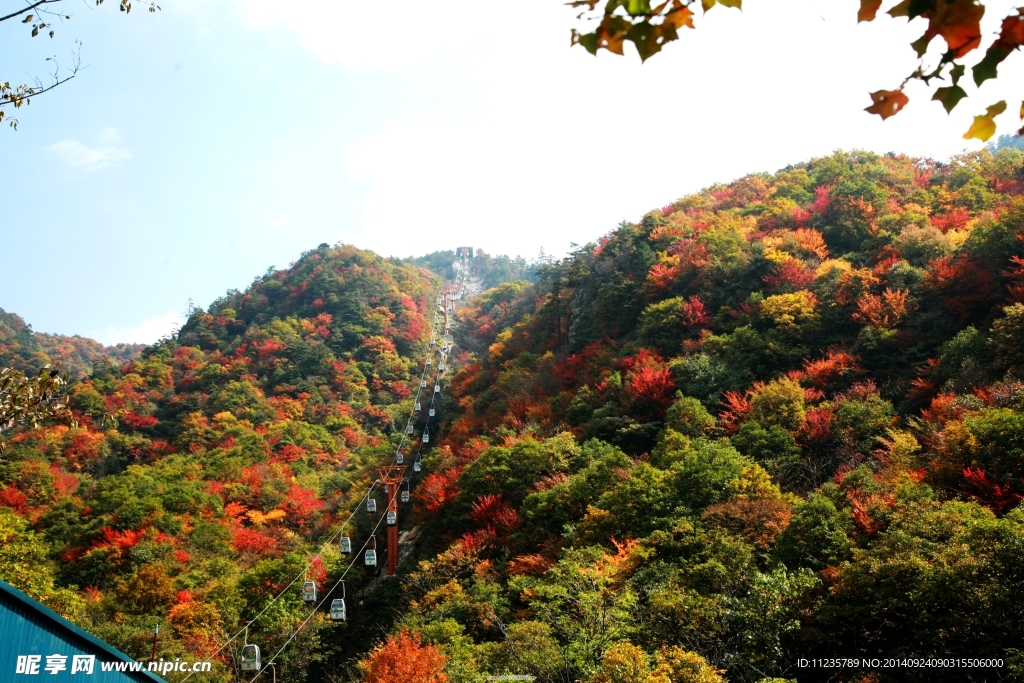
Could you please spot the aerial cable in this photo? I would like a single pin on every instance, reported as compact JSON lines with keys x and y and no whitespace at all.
{"x":323,"y":545}
{"x":329,"y":542}
{"x":326,"y":595}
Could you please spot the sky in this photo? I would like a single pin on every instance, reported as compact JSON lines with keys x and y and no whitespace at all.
{"x":207,"y":142}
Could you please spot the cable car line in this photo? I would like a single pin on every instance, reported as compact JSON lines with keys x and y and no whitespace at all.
{"x":446,"y":299}
{"x":327,"y":594}
{"x":291,"y":583}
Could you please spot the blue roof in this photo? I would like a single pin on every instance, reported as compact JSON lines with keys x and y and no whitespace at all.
{"x":19,"y":614}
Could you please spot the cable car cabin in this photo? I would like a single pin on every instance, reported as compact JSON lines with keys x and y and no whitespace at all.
{"x":399,"y":459}
{"x":251,"y":658}
{"x":345,"y":545}
{"x":416,"y":467}
{"x":405,"y":496}
{"x":423,"y":384}
{"x":417,"y":407}
{"x":392,"y":517}
{"x":426,"y":437}
{"x":338,"y":609}
{"x":432,"y":411}
{"x":371,"y":557}
{"x":433,"y":343}
{"x":437,"y":388}
{"x":428,"y":362}
{"x":309,"y":591}
{"x":440,"y":366}
{"x":408,"y":430}
{"x":371,"y":505}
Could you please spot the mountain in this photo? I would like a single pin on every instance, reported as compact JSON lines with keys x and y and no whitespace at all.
{"x":202,"y":476}
{"x":488,"y":271}
{"x":23,"y":348}
{"x":778,"y":420}
{"x":781,"y":418}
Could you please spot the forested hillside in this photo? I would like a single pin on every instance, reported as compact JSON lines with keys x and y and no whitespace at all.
{"x":490,"y":271}
{"x":780,"y":418}
{"x":26,"y":350}
{"x":200,"y":477}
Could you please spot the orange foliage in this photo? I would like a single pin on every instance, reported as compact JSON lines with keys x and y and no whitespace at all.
{"x":882,"y":311}
{"x":759,"y":521}
{"x":403,"y":658}
{"x":529,"y":565}
{"x":663,"y":275}
{"x":833,"y":367}
{"x":735,"y":407}
{"x":810,"y":240}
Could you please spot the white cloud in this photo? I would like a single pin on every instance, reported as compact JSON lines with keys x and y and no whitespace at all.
{"x":146,"y":332}
{"x":79,"y":155}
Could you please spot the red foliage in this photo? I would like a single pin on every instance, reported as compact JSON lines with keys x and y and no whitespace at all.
{"x":921,"y":388}
{"x":302,"y":505}
{"x":648,"y":383}
{"x":966,"y":286}
{"x":997,"y":498}
{"x":63,"y":483}
{"x":693,"y":312}
{"x":439,"y":487}
{"x":136,"y":421}
{"x":403,"y":658}
{"x":13,"y":498}
{"x":954,"y":220}
{"x":943,"y":409}
{"x":289,"y":453}
{"x":182,"y":556}
{"x":790,"y":274}
{"x":822,"y":200}
{"x":862,"y":518}
{"x":802,"y":216}
{"x":491,"y":511}
{"x":122,"y":540}
{"x":84,"y":448}
{"x":886,"y":264}
{"x":246,"y":540}
{"x":317,"y":572}
{"x":663,"y":275}
{"x":816,"y":430}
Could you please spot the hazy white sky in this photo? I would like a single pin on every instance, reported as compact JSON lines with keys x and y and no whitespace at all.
{"x":210,"y":141}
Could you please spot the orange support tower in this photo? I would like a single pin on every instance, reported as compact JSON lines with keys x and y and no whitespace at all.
{"x":392,"y":477}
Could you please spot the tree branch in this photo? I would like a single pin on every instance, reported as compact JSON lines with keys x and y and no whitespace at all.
{"x":6,"y":99}
{"x":28,"y":8}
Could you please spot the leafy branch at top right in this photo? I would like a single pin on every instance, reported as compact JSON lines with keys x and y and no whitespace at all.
{"x":651,"y":26}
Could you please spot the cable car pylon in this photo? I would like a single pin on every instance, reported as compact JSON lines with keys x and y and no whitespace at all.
{"x":392,"y":476}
